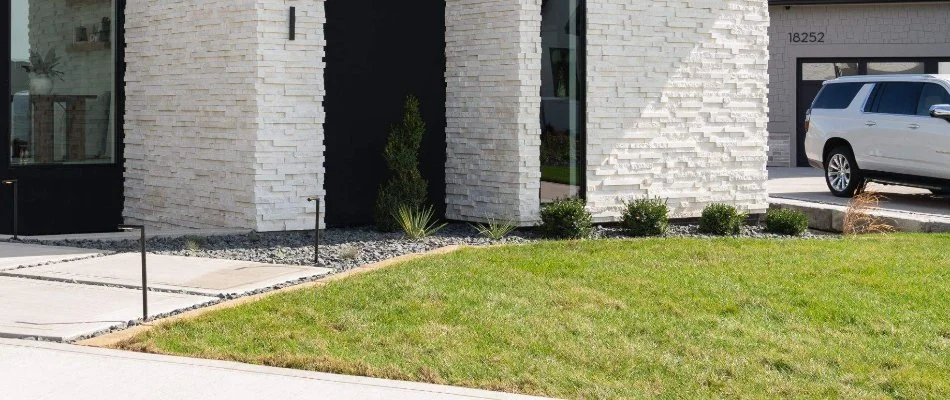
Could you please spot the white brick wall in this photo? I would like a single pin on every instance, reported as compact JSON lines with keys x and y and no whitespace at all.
{"x":904,"y":30}
{"x":223,"y":114}
{"x":493,"y":53}
{"x":677,"y":104}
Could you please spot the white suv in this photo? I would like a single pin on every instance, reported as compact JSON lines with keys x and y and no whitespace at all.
{"x":892,"y":129}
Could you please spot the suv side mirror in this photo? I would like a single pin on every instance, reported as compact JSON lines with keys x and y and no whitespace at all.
{"x":941,"y":111}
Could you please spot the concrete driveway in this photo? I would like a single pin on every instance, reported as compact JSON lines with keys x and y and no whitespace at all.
{"x":806,"y":187}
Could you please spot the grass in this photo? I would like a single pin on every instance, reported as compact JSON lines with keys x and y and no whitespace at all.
{"x":555,"y":174}
{"x":867,"y":317}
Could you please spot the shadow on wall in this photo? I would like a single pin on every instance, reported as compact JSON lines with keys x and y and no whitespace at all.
{"x":678,"y":110}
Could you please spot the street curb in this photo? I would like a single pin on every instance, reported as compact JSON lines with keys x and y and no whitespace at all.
{"x":830,"y":218}
{"x":111,"y":340}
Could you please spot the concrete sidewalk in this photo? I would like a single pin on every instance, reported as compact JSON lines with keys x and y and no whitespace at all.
{"x":31,"y":370}
{"x":75,"y":294}
{"x":16,"y":255}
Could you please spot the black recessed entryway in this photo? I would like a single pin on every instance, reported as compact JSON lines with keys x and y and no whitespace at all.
{"x":378,"y":52}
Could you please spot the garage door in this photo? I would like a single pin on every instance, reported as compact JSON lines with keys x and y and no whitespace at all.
{"x":812,"y":72}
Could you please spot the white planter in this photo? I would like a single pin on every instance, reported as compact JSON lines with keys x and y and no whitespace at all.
{"x":41,"y":84}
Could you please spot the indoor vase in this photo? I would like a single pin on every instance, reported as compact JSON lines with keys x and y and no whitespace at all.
{"x":41,"y":84}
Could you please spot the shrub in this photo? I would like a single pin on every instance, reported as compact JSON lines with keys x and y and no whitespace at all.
{"x":495,"y":229}
{"x":566,"y":219}
{"x":646,"y":217}
{"x":406,"y":186}
{"x":858,"y":219}
{"x":721,"y":219}
{"x":417,"y":222}
{"x":786,"y":222}
{"x":194,"y":243}
{"x":349,"y":252}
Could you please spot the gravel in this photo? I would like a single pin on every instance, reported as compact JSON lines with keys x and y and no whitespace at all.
{"x":343,"y":249}
{"x":340,"y":249}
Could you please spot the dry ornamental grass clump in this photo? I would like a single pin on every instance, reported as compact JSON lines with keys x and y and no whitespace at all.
{"x":858,"y":219}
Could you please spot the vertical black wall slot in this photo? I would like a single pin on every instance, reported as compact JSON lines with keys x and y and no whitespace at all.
{"x":293,"y":23}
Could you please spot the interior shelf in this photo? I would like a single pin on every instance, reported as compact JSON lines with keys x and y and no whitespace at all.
{"x":77,"y":3}
{"x":77,"y":47}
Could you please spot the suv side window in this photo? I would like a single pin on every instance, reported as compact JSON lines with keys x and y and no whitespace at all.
{"x":896,"y":98}
{"x":837,"y":96}
{"x":931,"y":95}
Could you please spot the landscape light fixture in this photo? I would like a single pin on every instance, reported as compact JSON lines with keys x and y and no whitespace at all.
{"x":316,"y":233}
{"x":16,"y":199}
{"x":140,"y":228}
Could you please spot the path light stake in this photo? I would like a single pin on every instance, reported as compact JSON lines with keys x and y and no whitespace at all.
{"x":316,"y":233}
{"x":141,"y":228}
{"x":16,"y":198}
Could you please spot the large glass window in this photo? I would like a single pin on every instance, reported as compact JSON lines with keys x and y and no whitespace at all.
{"x":562,"y":98}
{"x":62,"y":82}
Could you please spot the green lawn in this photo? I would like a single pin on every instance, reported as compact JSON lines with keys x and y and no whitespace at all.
{"x":556,"y":174}
{"x":675,"y":318}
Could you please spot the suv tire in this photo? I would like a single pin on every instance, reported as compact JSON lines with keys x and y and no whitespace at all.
{"x":842,"y":173}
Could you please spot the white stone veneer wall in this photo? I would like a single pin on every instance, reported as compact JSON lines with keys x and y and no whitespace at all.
{"x":867,"y":30}
{"x":223,"y":118}
{"x":493,"y":97}
{"x":677,"y":104}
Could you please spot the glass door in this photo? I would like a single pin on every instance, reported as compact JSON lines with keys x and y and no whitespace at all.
{"x":63,"y":117}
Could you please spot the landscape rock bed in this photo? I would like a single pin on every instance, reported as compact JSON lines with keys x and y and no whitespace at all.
{"x":340,"y":249}
{"x":344,"y":249}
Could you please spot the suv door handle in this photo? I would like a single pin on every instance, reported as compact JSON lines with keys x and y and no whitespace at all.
{"x":871,"y":123}
{"x":914,"y":126}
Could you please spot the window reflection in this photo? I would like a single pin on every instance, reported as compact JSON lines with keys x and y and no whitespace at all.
{"x":562,"y":87}
{"x":61,"y":82}
{"x":884,"y":68}
{"x":826,"y":71}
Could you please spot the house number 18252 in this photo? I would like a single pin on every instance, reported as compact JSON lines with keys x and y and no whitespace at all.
{"x":806,"y":37}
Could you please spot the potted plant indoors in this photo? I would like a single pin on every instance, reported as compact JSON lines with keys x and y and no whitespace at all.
{"x":42,"y":70}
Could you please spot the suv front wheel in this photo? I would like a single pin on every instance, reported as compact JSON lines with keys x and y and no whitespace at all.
{"x":841,"y":172}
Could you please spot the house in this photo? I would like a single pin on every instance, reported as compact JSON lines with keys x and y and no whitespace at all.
{"x":230,"y":113}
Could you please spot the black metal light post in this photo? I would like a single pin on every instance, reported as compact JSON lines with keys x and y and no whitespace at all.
{"x":141,"y":228}
{"x":316,"y":233}
{"x":16,"y":199}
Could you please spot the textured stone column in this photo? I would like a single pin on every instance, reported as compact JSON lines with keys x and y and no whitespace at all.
{"x":223,"y":119}
{"x":493,"y":64}
{"x":677,"y":104}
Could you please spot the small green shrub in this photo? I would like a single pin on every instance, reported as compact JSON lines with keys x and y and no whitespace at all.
{"x":786,"y":222}
{"x":349,"y":252}
{"x":721,"y":219}
{"x":495,"y":229}
{"x":406,"y":186}
{"x":417,"y":222}
{"x":194,"y":243}
{"x":566,"y":219}
{"x":646,"y":217}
